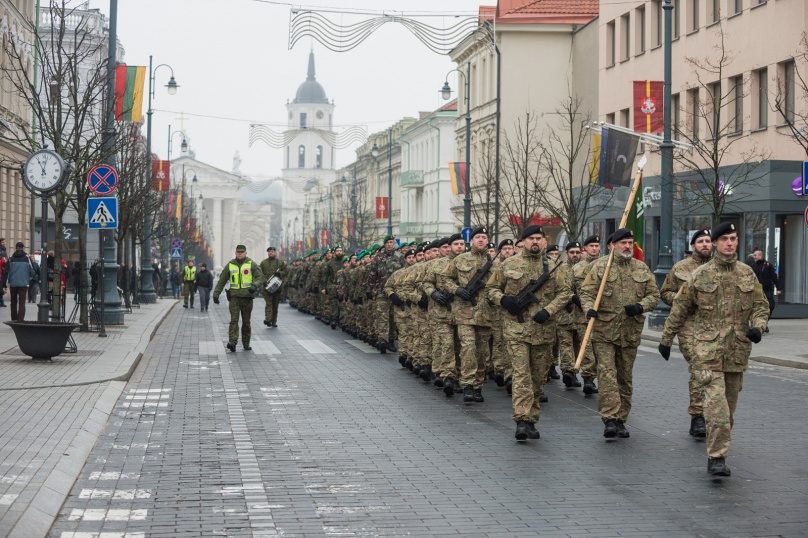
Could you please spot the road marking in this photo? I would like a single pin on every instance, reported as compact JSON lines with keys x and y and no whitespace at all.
{"x":113,"y":475}
{"x":315,"y":346}
{"x":102,"y":514}
{"x":103,"y":535}
{"x":265,"y":347}
{"x":115,"y":494}
{"x":7,"y":499}
{"x":361,"y":346}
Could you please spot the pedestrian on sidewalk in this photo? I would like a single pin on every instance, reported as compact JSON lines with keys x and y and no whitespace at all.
{"x":188,"y":288}
{"x":20,"y":271}
{"x":3,"y":269}
{"x":245,"y":278}
{"x":729,"y":313}
{"x":767,"y":277}
{"x":95,"y":277}
{"x":175,"y":279}
{"x":33,"y":286}
{"x":204,"y":283}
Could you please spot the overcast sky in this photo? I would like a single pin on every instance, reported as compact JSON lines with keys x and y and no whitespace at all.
{"x":231,"y":59}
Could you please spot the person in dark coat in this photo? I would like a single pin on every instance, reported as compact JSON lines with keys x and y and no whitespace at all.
{"x":766,"y":275}
{"x":203,"y":283}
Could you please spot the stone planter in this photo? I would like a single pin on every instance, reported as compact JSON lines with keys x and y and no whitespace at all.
{"x":41,"y":341}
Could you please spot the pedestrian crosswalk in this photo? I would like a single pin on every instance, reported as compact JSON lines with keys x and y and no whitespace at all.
{"x":316,"y":347}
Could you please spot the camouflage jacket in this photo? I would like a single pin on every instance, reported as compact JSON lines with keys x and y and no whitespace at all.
{"x":270,"y":265}
{"x":384,"y":264}
{"x":680,"y":273}
{"x":515,"y":274}
{"x":566,"y":317}
{"x":579,"y":272}
{"x":724,"y":298}
{"x":630,"y":281}
{"x":429,"y":283}
{"x":409,"y":283}
{"x":457,"y":273}
{"x":396,"y":283}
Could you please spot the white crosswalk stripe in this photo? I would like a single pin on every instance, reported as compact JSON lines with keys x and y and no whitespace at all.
{"x":315,"y":347}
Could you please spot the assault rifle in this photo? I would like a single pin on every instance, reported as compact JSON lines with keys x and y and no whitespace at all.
{"x":528,"y":294}
{"x":476,"y":283}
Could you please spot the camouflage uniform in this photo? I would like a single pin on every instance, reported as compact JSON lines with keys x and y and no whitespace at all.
{"x":329,"y":284}
{"x":269,"y":267}
{"x":589,"y":365}
{"x":530,"y":344}
{"x":473,"y":320}
{"x":499,"y":363}
{"x":616,"y":335}
{"x":240,"y":301}
{"x":724,"y":299}
{"x":680,"y":273}
{"x":440,"y":320}
{"x":568,"y":333}
{"x":401,"y":313}
{"x":382,"y":267}
{"x":421,"y":335}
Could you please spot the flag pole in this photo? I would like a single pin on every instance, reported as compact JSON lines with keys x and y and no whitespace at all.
{"x":629,"y":203}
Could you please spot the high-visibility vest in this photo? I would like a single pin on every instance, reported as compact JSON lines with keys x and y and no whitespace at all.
{"x":240,"y":277}
{"x":190,"y":273}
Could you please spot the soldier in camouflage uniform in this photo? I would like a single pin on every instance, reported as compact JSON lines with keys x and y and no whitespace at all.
{"x":272,"y":266}
{"x":589,"y":365}
{"x":729,"y":312}
{"x":701,"y":244}
{"x":529,"y":340}
{"x":245,"y":279}
{"x":328,"y":286}
{"x":630,"y":290}
{"x":395,"y":291}
{"x":568,"y":333}
{"x":419,"y":309}
{"x":500,"y":366}
{"x":472,"y":314}
{"x":385,"y":262}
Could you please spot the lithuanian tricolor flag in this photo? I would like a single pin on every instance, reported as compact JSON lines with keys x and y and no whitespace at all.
{"x":129,"y":92}
{"x":457,"y":175}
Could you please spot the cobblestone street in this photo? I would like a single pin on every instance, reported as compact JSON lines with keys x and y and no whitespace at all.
{"x":313,"y":434}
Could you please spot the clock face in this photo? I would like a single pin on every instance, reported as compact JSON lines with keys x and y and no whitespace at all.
{"x":44,"y":170}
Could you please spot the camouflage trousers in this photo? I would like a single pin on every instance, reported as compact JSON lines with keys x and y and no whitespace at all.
{"x":474,"y":352}
{"x":589,"y":365}
{"x":695,"y":406}
{"x":404,"y":321}
{"x":421,"y":336}
{"x":271,"y":302}
{"x":569,"y":342}
{"x":239,"y":306}
{"x":500,"y":361}
{"x":615,"y":386}
{"x":331,"y":305}
{"x":530,"y":363}
{"x":721,"y":390}
{"x":381,"y":315}
{"x":188,"y":291}
{"x":443,"y":348}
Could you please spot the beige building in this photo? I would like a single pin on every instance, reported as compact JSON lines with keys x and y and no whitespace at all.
{"x":548,"y":52}
{"x":16,"y":18}
{"x":761,"y":47}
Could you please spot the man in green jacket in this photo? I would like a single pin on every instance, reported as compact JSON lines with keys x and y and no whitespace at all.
{"x":272,"y":266}
{"x":245,"y":280}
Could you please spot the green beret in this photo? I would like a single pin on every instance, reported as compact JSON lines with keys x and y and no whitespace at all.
{"x":241,"y":248}
{"x":388,"y":238}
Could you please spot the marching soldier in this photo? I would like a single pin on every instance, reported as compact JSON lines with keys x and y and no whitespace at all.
{"x":272,"y":266}
{"x":500,"y":363}
{"x":591,"y":252}
{"x":528,"y":326}
{"x":188,"y":284}
{"x":385,"y":262}
{"x":729,"y":312}
{"x":394,"y":290}
{"x":245,"y":278}
{"x":472,"y":313}
{"x":568,"y":333}
{"x":630,"y":290}
{"x":328,"y":286}
{"x":701,"y":246}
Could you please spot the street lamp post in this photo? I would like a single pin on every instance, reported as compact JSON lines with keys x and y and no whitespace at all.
{"x":147,"y":292}
{"x":665,"y":259}
{"x":446,"y":93}
{"x":375,"y":153}
{"x":354,"y":241}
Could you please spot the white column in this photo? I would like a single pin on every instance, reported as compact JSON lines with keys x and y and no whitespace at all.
{"x":218,"y":229}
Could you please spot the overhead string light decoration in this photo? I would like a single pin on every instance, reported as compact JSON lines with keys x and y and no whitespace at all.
{"x":344,"y":37}
{"x":260,"y":132}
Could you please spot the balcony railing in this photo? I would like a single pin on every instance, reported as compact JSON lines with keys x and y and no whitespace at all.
{"x":412,"y":179}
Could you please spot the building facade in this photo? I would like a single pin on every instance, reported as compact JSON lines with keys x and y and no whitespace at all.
{"x":734,"y":94}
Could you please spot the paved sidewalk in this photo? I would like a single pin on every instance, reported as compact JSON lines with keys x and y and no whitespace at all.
{"x":786,"y":344}
{"x":51,"y":413}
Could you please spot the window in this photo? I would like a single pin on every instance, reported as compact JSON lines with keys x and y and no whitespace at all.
{"x":716,"y":104}
{"x":736,"y":124}
{"x":659,"y":20}
{"x":624,"y":117}
{"x":625,"y":37}
{"x":677,"y":4}
{"x":610,"y":44}
{"x":693,"y":20}
{"x":302,"y":120}
{"x":610,"y":118}
{"x":762,"y":98}
{"x":737,"y":6}
{"x":787,"y":77}
{"x":693,"y":112}
{"x":318,"y":157}
{"x":301,"y":156}
{"x":675,"y":114}
{"x":639,"y":36}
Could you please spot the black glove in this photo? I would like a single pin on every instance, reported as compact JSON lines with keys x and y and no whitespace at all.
{"x":754,"y":334}
{"x":633,"y":309}
{"x":541,"y":316}
{"x":253,"y":289}
{"x":568,"y":307}
{"x":463,"y":293}
{"x":665,"y":351}
{"x":396,"y":300}
{"x":509,"y":303}
{"x":424,"y":302}
{"x":438,"y":297}
{"x":216,"y":300}
{"x":576,"y":301}
{"x":591,"y":314}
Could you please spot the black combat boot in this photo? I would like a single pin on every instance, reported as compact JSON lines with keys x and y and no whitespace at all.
{"x":553,"y":373}
{"x":718,"y":467}
{"x":589,"y":386}
{"x":449,"y":386}
{"x":478,"y":396}
{"x":532,"y":432}
{"x":267,"y":323}
{"x":543,"y":397}
{"x":521,"y":431}
{"x":426,"y":373}
{"x":499,"y":378}
{"x":622,"y":432}
{"x":438,"y":382}
{"x":610,"y":430}
{"x":468,"y":394}
{"x":247,"y":347}
{"x":698,"y":428}
{"x":231,"y":346}
{"x":382,"y":347}
{"x":402,"y":359}
{"x":509,"y":386}
{"x":408,"y":364}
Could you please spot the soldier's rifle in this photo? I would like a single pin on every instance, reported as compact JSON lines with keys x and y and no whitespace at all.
{"x":590,"y":325}
{"x":527,"y":295}
{"x":476,"y":284}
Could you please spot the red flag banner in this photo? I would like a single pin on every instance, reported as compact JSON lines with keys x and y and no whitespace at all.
{"x":160,"y":175}
{"x":648,"y":113}
{"x":382,"y":207}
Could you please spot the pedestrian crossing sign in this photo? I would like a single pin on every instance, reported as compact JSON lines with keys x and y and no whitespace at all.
{"x":176,"y":253}
{"x":102,"y":213}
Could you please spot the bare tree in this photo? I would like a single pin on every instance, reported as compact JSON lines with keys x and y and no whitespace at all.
{"x":566,"y":190}
{"x":483,"y":188}
{"x":65,"y":95}
{"x":719,"y":164}
{"x":791,"y":98}
{"x":522,"y":168}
